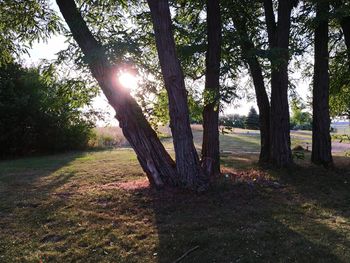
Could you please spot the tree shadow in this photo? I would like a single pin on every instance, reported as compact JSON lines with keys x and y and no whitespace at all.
{"x":65,"y":217}
{"x":239,"y":225}
{"x":27,"y":201}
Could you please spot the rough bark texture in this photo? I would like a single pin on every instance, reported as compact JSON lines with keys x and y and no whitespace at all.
{"x":187,"y":160}
{"x":321,"y":139}
{"x":280,"y":152}
{"x":153,"y":157}
{"x":210,"y":145}
{"x":247,"y":47}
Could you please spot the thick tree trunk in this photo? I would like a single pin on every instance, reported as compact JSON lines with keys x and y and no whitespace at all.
{"x":210,"y":145}
{"x":153,"y":157}
{"x":321,"y":139}
{"x":187,"y":160}
{"x":280,"y":152}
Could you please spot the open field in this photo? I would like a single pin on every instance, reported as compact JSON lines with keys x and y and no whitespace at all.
{"x":97,"y":207}
{"x":235,"y":141}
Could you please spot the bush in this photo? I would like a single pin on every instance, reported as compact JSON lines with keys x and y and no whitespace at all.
{"x":39,"y":113}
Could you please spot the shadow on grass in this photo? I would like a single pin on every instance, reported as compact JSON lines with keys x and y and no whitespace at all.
{"x":27,"y":201}
{"x":81,"y":214}
{"x":239,"y":223}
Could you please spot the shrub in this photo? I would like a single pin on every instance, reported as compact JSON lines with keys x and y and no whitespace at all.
{"x":39,"y":113}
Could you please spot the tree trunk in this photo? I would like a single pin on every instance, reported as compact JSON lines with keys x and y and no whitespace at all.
{"x":345,"y":24}
{"x":187,"y":160}
{"x":264,"y":109}
{"x":344,"y":20}
{"x":247,"y":47}
{"x":153,"y":157}
{"x":321,"y":139}
{"x":210,"y":145}
{"x":280,"y":152}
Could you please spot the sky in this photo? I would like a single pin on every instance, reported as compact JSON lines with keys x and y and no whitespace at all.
{"x":48,"y":50}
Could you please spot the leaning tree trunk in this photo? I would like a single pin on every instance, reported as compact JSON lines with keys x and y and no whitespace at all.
{"x":210,"y":144}
{"x":280,"y":152}
{"x":187,"y":160}
{"x":153,"y":157}
{"x":321,"y":139}
{"x":247,"y":47}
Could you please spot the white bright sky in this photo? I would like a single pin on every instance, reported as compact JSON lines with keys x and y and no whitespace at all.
{"x":57,"y":43}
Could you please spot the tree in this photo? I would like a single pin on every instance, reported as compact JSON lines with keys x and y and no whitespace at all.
{"x":40,"y":113}
{"x":343,"y":16}
{"x":278,"y":37}
{"x":244,"y":17}
{"x":232,"y":121}
{"x":187,"y":160}
{"x":252,"y":120}
{"x":300,"y":120}
{"x":210,"y":145}
{"x":321,"y":139}
{"x":21,"y":23}
{"x":153,"y":158}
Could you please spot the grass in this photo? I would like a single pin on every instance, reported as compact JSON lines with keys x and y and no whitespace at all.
{"x":97,"y":207}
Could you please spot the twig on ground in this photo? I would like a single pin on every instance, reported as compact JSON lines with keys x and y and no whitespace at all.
{"x":186,"y":254}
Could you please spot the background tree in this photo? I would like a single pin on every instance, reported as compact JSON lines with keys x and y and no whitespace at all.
{"x":252,"y":120}
{"x":300,"y":119}
{"x":40,"y":113}
{"x":233,"y":121}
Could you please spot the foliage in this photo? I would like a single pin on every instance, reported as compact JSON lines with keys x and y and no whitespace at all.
{"x":301,"y":119}
{"x":340,"y":86}
{"x":252,"y":120}
{"x":21,"y":23}
{"x":40,"y":113}
{"x":158,"y":113}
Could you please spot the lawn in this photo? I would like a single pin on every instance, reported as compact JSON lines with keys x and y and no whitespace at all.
{"x":97,"y":207}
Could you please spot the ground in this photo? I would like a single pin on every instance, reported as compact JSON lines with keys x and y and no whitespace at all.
{"x":97,"y":207}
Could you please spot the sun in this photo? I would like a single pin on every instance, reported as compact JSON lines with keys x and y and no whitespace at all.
{"x":128,"y":80}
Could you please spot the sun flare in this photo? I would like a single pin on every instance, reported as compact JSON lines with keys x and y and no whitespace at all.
{"x":128,"y":80}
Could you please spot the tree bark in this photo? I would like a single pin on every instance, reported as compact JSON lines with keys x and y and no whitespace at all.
{"x":280,"y":152}
{"x":187,"y":160}
{"x":345,"y":24}
{"x":211,"y":145}
{"x":153,"y":157}
{"x":321,"y":139}
{"x":247,"y":47}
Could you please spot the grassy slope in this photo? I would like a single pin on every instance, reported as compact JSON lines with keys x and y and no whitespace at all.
{"x":86,"y":207}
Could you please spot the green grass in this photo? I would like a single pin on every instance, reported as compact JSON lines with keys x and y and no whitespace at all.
{"x":96,"y":207}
